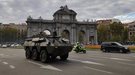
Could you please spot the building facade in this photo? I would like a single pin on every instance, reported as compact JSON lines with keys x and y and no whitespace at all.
{"x":131,"y":30}
{"x":12,"y":32}
{"x":20,"y":27}
{"x":107,"y":21}
{"x":66,"y":25}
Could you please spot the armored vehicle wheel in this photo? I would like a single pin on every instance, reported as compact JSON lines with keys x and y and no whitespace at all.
{"x":35,"y":54}
{"x":44,"y":56}
{"x":53,"y":57}
{"x":64,"y":57}
{"x":28,"y":54}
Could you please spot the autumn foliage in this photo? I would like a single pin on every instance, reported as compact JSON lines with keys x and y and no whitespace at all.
{"x":93,"y":46}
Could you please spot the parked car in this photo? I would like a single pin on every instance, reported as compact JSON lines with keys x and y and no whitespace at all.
{"x":12,"y":45}
{"x":114,"y":46}
{"x":4,"y":46}
{"x":17,"y":45}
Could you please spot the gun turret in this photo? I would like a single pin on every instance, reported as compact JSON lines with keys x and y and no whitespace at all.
{"x":44,"y":33}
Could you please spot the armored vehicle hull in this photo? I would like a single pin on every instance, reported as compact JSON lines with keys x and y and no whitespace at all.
{"x":44,"y":49}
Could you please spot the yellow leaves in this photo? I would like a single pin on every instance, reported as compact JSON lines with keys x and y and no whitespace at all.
{"x":93,"y":46}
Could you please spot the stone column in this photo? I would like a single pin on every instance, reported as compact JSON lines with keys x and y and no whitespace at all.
{"x":58,"y":29}
{"x":77,"y":33}
{"x":87,"y":35}
{"x":73,"y":34}
{"x":28,"y":32}
{"x":95,"y":37}
{"x":88,"y":32}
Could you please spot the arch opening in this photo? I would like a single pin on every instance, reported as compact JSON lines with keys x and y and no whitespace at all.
{"x":65,"y":34}
{"x":81,"y":36}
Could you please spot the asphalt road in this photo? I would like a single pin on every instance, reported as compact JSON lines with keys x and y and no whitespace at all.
{"x":13,"y":62}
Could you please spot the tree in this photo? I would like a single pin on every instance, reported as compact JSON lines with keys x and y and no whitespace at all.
{"x":9,"y":34}
{"x":103,"y":33}
{"x":125,"y":35}
{"x":116,"y":31}
{"x":132,"y":38}
{"x":113,"y":32}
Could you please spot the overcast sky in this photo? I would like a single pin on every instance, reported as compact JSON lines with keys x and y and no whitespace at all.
{"x":17,"y":11}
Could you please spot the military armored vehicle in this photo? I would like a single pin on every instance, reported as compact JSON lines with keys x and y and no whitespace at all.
{"x":45,"y":46}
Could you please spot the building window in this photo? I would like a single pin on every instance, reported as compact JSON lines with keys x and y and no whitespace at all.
{"x":130,"y":33}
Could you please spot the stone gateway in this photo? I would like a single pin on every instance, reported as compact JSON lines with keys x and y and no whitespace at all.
{"x":66,"y":25}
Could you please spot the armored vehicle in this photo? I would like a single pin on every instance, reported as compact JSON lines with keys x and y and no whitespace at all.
{"x":45,"y":46}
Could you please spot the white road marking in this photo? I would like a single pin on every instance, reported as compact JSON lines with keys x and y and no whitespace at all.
{"x":99,"y":57}
{"x":133,"y":56}
{"x":5,"y":63}
{"x":88,"y":62}
{"x":1,"y":54}
{"x":6,"y":55}
{"x":46,"y":67}
{"x":14,"y":54}
{"x":51,"y":67}
{"x":120,"y":59}
{"x":12,"y":67}
{"x":98,"y":70}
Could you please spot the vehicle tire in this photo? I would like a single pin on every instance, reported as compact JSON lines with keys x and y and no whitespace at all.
{"x":35,"y":54}
{"x":44,"y":56}
{"x":53,"y":57}
{"x":28,"y":54}
{"x":103,"y":50}
{"x":84,"y":51}
{"x":121,"y":51}
{"x":64,"y":57}
{"x":108,"y":50}
{"x":128,"y":51}
{"x":76,"y":51}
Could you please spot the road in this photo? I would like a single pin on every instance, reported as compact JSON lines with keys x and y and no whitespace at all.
{"x":13,"y":62}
